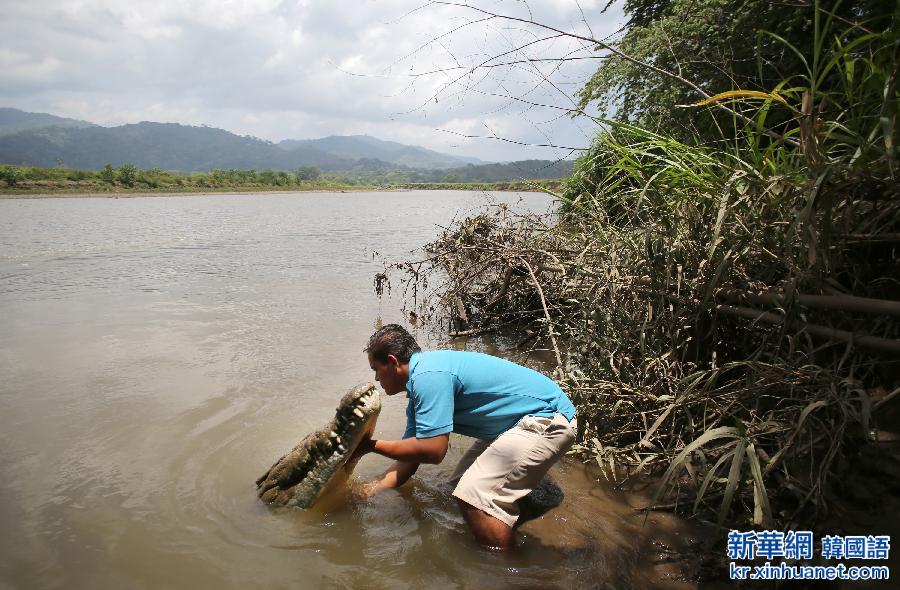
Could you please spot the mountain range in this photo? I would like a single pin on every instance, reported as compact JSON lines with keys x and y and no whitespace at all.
{"x":41,"y":139}
{"x":14,"y":120}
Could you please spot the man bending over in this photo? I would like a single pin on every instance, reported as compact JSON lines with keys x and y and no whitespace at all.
{"x":522,"y":420}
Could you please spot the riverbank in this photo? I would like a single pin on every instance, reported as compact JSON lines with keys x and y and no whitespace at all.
{"x":543,"y":185}
{"x":49,"y":191}
{"x":127,"y":194}
{"x":128,"y":180}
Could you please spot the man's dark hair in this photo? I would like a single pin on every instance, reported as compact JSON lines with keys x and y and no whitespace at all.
{"x":392,"y":339}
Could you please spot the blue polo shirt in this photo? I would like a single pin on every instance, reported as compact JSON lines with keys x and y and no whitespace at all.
{"x":475,"y":395}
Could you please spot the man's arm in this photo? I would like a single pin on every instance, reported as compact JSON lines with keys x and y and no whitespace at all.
{"x":410,"y":450}
{"x":408,"y":454}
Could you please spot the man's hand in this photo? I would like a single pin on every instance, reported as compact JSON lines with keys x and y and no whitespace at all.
{"x":365,"y":446}
{"x":395,"y":476}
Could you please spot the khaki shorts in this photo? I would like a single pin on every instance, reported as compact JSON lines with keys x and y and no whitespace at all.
{"x":493,"y":475}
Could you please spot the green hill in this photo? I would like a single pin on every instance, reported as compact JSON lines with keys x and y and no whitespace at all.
{"x":14,"y":120}
{"x":38,"y":139}
{"x":367,"y":147}
{"x":168,"y":146}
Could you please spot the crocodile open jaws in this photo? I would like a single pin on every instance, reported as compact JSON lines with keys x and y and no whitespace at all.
{"x":300,"y":477}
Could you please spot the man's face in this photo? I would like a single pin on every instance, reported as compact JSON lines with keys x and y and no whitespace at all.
{"x":391,"y":375}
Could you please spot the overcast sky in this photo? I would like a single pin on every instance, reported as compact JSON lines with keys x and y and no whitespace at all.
{"x":394,"y":69}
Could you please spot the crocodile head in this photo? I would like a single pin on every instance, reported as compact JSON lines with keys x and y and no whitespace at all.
{"x":300,"y":477}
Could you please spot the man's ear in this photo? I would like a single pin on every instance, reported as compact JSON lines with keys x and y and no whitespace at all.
{"x":393,"y":360}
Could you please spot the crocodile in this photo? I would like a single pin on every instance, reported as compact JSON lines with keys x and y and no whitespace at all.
{"x":322,"y":460}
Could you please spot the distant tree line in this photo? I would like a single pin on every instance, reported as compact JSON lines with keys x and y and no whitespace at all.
{"x":130,"y":176}
{"x":365,"y":174}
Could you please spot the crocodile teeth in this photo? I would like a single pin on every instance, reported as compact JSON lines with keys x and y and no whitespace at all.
{"x":342,"y":448}
{"x":358,"y":412}
{"x":334,"y":434}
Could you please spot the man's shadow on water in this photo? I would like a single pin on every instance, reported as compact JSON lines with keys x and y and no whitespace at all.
{"x":598,"y":533}
{"x":542,"y":499}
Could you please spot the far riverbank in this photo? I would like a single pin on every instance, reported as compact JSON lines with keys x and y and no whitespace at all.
{"x":60,"y":192}
{"x":128,"y":194}
{"x":127,"y":180}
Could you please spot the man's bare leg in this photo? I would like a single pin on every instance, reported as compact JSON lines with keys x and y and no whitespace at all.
{"x":488,"y":530}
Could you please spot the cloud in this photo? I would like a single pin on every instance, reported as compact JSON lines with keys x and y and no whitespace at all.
{"x":414,"y":72}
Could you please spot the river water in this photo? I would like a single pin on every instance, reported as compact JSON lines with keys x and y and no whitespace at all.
{"x":158,"y":353}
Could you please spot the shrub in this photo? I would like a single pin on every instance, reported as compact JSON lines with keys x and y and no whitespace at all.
{"x":307,"y":173}
{"x":108,"y":174}
{"x":127,"y":174}
{"x":12,"y":175}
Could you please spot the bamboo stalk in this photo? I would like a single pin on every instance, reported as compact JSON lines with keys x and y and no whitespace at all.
{"x":856,"y":238}
{"x":835,"y":302}
{"x":873,"y":342}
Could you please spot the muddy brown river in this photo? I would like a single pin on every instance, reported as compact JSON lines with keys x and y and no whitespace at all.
{"x":158,"y":353}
